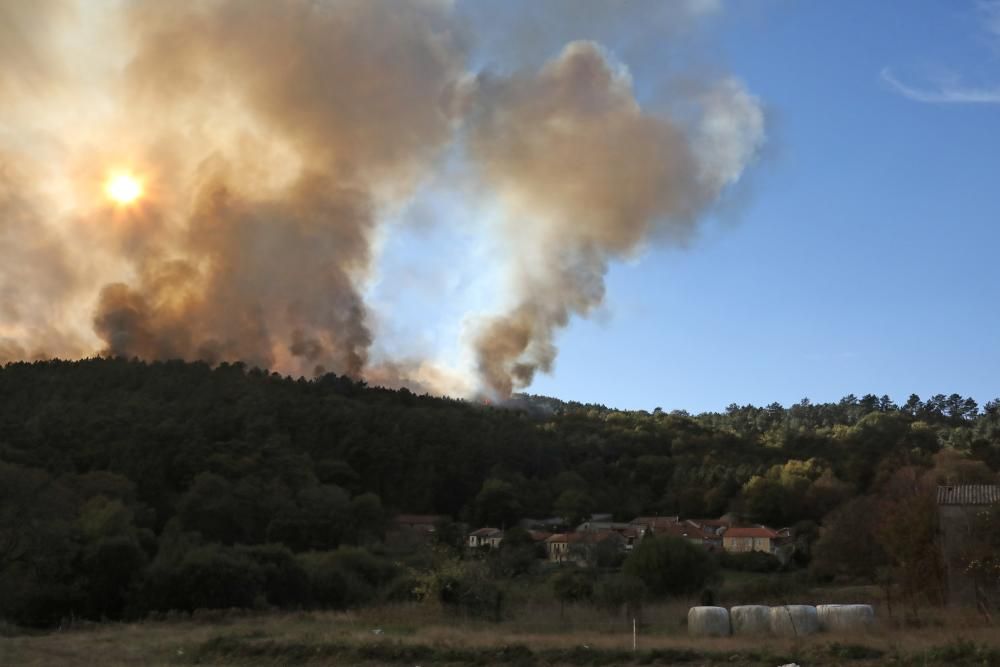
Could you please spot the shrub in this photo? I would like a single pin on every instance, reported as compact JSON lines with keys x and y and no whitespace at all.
{"x":347,"y":577}
{"x":328,"y":581}
{"x":620,"y":591}
{"x":671,"y":566}
{"x":208,"y":577}
{"x":472,"y":592}
{"x":573,"y":585}
{"x":751,"y":561}
{"x":283,"y":579}
{"x":28,"y":601}
{"x":111,"y":566}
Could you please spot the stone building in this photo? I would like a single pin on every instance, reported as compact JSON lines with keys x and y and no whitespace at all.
{"x":959,"y":509}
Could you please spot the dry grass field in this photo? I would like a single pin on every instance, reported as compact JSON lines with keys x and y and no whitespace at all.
{"x":418,"y":635}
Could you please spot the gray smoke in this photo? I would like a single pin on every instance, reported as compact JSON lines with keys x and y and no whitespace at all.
{"x":587,"y":177}
{"x":276,"y":137}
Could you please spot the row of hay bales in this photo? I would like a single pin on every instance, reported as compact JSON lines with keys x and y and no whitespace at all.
{"x":791,"y":620}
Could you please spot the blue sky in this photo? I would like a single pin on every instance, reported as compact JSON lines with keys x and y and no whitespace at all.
{"x":857,"y":256}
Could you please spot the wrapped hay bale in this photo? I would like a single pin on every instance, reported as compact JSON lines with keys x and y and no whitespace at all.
{"x":794,"y":620}
{"x":824,"y":613}
{"x":708,"y":622}
{"x":752,"y":620}
{"x":848,"y":618}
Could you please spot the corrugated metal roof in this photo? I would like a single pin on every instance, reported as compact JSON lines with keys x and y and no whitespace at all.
{"x":969,"y":494}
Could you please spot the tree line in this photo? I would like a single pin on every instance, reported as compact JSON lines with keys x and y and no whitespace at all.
{"x":129,"y":487}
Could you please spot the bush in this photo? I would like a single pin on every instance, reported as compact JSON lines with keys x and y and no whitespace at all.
{"x":111,"y":566}
{"x":328,"y":581}
{"x":464,"y":587}
{"x":401,"y":589}
{"x":620,"y":591}
{"x":750,"y":561}
{"x":283,"y":579}
{"x":671,"y":566}
{"x":347,"y":577}
{"x":208,"y":577}
{"x":774,"y":587}
{"x":30,"y":602}
{"x":369,"y":567}
{"x":473,"y":593}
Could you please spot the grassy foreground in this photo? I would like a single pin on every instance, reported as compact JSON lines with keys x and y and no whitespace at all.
{"x":415,"y":635}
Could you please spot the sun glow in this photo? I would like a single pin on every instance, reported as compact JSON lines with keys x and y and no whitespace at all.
{"x":123,"y":188}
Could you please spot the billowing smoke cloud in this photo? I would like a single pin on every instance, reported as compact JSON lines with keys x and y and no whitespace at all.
{"x":356,"y":93}
{"x":275,"y":137}
{"x":587,"y":177}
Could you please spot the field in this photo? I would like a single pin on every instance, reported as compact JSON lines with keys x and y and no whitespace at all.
{"x":534,"y":634}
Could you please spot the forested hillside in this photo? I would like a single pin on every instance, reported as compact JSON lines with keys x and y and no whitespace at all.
{"x":113,"y":473}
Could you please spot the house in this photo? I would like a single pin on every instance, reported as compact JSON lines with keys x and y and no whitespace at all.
{"x":617,"y":526}
{"x":959,"y":507}
{"x":632,"y":537}
{"x":630,"y":532}
{"x":653,"y":524}
{"x":580,"y":547}
{"x":744,"y":539}
{"x":557,"y":546}
{"x":484,"y":537}
{"x":552,"y":524}
{"x":693,"y":533}
{"x":716,"y":526}
{"x":539,"y":536}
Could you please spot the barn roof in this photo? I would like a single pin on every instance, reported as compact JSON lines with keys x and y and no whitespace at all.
{"x":969,"y":494}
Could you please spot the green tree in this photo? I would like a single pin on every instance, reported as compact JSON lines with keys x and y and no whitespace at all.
{"x":621,"y":592}
{"x":571,"y":585}
{"x":497,"y":504}
{"x":848,"y":545}
{"x":670,"y":566}
{"x":908,"y":534}
{"x":573,"y":506}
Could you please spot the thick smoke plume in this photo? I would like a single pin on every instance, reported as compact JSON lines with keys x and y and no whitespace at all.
{"x":587,"y":177}
{"x":274,"y":138}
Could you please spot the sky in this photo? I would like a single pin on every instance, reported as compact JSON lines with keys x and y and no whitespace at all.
{"x":860,"y":254}
{"x":636,"y":203}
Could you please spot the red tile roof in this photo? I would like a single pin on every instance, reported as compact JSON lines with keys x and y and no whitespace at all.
{"x":750,"y":531}
{"x":487,"y":532}
{"x":684,"y":530}
{"x":654,"y":523}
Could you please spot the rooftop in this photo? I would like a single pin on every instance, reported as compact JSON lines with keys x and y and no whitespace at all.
{"x":969,"y":494}
{"x":750,"y":531}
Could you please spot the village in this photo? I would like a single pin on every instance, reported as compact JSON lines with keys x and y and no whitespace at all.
{"x":600,"y":539}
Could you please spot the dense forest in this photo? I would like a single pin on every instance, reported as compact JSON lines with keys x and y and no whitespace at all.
{"x":128,"y":487}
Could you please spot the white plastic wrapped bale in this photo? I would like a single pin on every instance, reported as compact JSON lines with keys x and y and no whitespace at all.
{"x":847,"y":617}
{"x":794,"y":620}
{"x":824,"y":612}
{"x":752,"y":620}
{"x":708,"y":622}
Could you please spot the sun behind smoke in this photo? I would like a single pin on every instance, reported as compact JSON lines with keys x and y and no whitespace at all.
{"x":123,"y":188}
